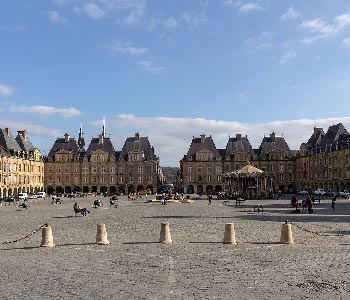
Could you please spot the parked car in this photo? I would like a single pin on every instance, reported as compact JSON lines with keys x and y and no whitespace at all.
{"x":344,"y":194}
{"x":41,"y":194}
{"x":145,"y":192}
{"x":331,"y":193}
{"x":303,"y":192}
{"x":22,"y":196}
{"x":32,"y":196}
{"x":319,"y":192}
{"x":10,"y":199}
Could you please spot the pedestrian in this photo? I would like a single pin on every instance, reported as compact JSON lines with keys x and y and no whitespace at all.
{"x":334,"y":198}
{"x":309,"y":204}
{"x":209,"y":199}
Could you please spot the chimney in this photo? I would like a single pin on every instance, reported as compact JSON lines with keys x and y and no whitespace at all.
{"x":137,"y":136}
{"x":238,"y":137}
{"x":66,"y":138}
{"x":23,"y":133}
{"x":273,"y":136}
{"x":7,"y":131}
{"x":203,"y":138}
{"x":100,"y":138}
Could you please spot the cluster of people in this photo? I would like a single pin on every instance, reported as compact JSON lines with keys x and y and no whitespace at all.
{"x":305,"y":204}
{"x":56,"y":200}
{"x":97,"y":203}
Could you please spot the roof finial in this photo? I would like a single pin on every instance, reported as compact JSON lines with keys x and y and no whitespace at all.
{"x":104,"y":127}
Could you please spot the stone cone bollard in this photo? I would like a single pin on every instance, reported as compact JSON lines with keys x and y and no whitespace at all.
{"x":165,"y":236}
{"x":47,"y":238}
{"x":286,"y":233}
{"x":229,"y":235}
{"x":101,"y":236}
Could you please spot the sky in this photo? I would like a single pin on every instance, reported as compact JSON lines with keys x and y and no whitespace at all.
{"x":174,"y":69}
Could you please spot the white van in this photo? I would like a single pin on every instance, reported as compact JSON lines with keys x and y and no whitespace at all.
{"x":41,"y":194}
{"x":22,"y":196}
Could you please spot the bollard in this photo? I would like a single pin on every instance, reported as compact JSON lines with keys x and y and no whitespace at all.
{"x":101,"y":236}
{"x":286,"y":233}
{"x":229,"y":235}
{"x":47,"y":238}
{"x":165,"y":236}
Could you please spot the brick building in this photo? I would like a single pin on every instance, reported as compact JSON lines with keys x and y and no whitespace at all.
{"x":69,"y":167}
{"x":21,"y":164}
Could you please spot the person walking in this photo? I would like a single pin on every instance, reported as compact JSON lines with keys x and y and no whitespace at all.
{"x":309,"y":204}
{"x":209,"y":199}
{"x":334,"y":198}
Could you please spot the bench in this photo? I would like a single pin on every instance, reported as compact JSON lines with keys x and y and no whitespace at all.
{"x":239,"y":201}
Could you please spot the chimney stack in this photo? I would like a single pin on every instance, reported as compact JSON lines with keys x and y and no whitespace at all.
{"x":238,"y":136}
{"x":273,"y":136}
{"x":7,"y":131}
{"x":203,"y":138}
{"x":66,"y":138}
{"x":23,"y":133}
{"x":100,"y":138}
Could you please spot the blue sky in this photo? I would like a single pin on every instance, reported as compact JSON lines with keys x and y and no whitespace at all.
{"x":174,"y":69}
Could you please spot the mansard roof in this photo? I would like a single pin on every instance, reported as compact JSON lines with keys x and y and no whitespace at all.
{"x":333,"y":134}
{"x":61,"y":144}
{"x":273,"y":143}
{"x":238,"y":144}
{"x":8,"y":141}
{"x":202,"y":143}
{"x":316,"y":138}
{"x":138,"y":144}
{"x":103,"y":144}
{"x":24,"y":143}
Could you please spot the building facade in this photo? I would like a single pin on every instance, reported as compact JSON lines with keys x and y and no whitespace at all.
{"x":21,"y":164}
{"x":324,"y":161}
{"x":204,"y":167}
{"x":69,"y":167}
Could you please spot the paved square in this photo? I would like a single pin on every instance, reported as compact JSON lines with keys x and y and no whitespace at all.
{"x":196,"y":266}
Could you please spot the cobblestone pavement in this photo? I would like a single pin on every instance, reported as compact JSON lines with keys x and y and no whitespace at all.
{"x":196,"y":266}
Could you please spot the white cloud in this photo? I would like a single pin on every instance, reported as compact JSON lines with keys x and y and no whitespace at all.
{"x":287,"y":56}
{"x":148,"y":66}
{"x":6,"y":90}
{"x":171,"y":137}
{"x":290,"y":14}
{"x":93,"y":10}
{"x":249,"y":7}
{"x":320,"y":29}
{"x":55,"y":17}
{"x":346,"y":41}
{"x":125,"y":48}
{"x":45,"y":110}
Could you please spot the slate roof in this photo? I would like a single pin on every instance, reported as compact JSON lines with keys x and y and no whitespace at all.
{"x":8,"y":141}
{"x":333,"y":134}
{"x":269,"y":144}
{"x":316,"y":138}
{"x":143,"y":145}
{"x":106,"y":146}
{"x":25,"y":145}
{"x":240,"y":144}
{"x":207,"y":144}
{"x":60,"y":144}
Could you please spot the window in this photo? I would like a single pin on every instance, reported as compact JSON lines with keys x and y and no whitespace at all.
{"x":131,"y":169}
{"x":218,"y":178}
{"x":189,"y":169}
{"x":112,"y":179}
{"x":218,"y":169}
{"x":189,"y":178}
{"x":140,"y":178}
{"x":200,"y":178}
{"x":76,"y":179}
{"x":103,"y":179}
{"x":59,"y":169}
{"x":85,"y":179}
{"x":209,"y":178}
{"x":140,"y":169}
{"x":121,"y":169}
{"x":58,"y":179}
{"x":94,"y":179}
{"x":131,"y":179}
{"x":281,"y":168}
{"x":93,"y":158}
{"x":209,"y":169}
{"x":281,"y":177}
{"x":103,"y":169}
{"x":94,"y":170}
{"x":149,"y":169}
{"x":199,"y":168}
{"x":150,"y":178}
{"x":112,"y":169}
{"x":85,"y":169}
{"x":121,"y":179}
{"x":76,"y":169}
